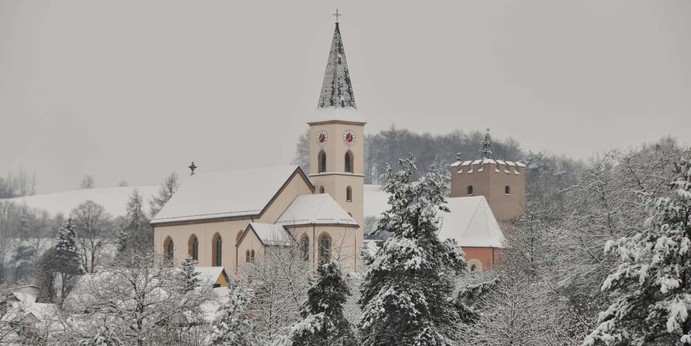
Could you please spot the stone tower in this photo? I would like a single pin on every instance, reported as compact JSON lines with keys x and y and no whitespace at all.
{"x":501,"y":182}
{"x":336,"y":138}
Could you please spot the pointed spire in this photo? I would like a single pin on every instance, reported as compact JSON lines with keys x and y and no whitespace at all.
{"x":486,"y":151}
{"x":337,"y":91}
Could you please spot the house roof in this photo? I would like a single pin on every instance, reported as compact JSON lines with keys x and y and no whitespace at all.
{"x":320,"y":209}
{"x":270,"y":234}
{"x":240,"y":193}
{"x":211,"y":274}
{"x":471,"y":223}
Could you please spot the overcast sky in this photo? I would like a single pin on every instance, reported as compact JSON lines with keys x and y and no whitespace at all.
{"x":132,"y":90}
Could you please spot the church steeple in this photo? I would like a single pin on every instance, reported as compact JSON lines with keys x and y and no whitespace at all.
{"x":337,"y":90}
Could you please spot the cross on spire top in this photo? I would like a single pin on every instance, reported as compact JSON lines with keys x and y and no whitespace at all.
{"x":337,"y":15}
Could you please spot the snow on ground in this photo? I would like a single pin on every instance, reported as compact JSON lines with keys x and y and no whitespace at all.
{"x":113,"y":199}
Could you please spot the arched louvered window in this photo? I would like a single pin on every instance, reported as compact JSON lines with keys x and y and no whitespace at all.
{"x":193,"y":247}
{"x":322,"y":161}
{"x":324,"y":247}
{"x":349,"y":162}
{"x":349,"y":194}
{"x":470,"y":189}
{"x":217,"y":250}
{"x":169,"y":248}
{"x":305,"y":247}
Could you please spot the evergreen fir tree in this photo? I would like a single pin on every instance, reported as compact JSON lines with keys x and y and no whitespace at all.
{"x":406,"y":293}
{"x":67,"y":258}
{"x":232,"y":324}
{"x":651,"y":287}
{"x":189,"y":276}
{"x":323,"y":322}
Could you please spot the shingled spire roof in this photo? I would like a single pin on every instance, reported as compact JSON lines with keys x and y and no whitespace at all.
{"x":337,"y":90}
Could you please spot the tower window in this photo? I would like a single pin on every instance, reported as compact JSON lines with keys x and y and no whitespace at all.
{"x":470,"y":189}
{"x":324,"y":247}
{"x":168,"y":248}
{"x":321,"y":189}
{"x":322,"y":162}
{"x":349,"y":194}
{"x":349,"y":162}
{"x":193,"y":247}
{"x":217,"y":246}
{"x":305,"y":247}
{"x":507,"y":190}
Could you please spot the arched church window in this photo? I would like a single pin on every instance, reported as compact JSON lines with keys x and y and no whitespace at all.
{"x":193,"y":247}
{"x":349,"y":194}
{"x":321,"y":189}
{"x":322,"y":162}
{"x":324,"y":247}
{"x":470,"y":189}
{"x":217,"y":252}
{"x":305,"y":247}
{"x":247,"y":256}
{"x":507,"y":190}
{"x":252,"y":256}
{"x":349,"y":162}
{"x":168,"y":248}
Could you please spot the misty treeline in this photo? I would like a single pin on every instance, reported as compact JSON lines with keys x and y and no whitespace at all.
{"x":17,"y":184}
{"x":27,"y":233}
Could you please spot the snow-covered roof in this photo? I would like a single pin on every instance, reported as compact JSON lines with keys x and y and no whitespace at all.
{"x":210,"y":274}
{"x":271,"y":234}
{"x":320,"y":209}
{"x":225,"y":194}
{"x":113,"y":199}
{"x":471,"y":222}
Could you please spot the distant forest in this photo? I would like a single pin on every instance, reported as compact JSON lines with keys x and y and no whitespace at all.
{"x":386,"y":147}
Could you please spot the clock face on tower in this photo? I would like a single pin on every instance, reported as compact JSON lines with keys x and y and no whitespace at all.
{"x":322,"y":137}
{"x":348,"y":137}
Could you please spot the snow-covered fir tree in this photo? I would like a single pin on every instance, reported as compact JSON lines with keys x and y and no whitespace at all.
{"x":322,"y":321}
{"x":651,"y":287}
{"x":189,"y":276}
{"x":406,"y":293}
{"x":232,"y":324}
{"x":67,"y":258}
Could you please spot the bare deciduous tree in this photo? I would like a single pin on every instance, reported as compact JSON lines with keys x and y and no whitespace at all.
{"x":93,"y":227}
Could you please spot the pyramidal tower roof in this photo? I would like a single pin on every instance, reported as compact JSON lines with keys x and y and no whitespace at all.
{"x":337,"y":90}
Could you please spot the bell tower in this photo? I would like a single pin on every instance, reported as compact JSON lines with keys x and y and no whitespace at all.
{"x":336,"y":138}
{"x":501,"y":182}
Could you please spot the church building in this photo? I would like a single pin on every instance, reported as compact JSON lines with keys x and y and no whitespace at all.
{"x":230,"y":218}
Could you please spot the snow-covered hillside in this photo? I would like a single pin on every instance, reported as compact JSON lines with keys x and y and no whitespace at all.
{"x":113,"y":199}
